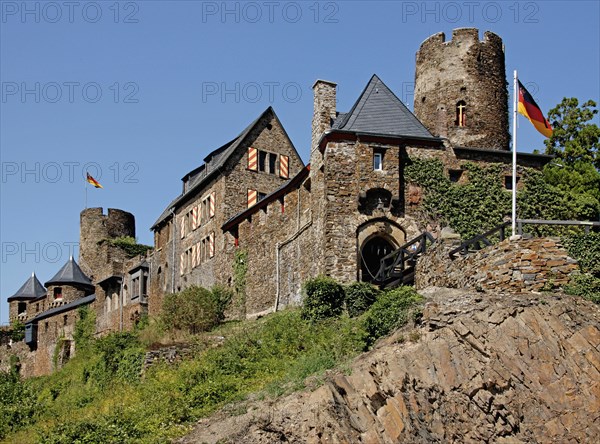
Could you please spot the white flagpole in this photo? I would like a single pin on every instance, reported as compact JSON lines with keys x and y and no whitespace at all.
{"x":514,"y":155}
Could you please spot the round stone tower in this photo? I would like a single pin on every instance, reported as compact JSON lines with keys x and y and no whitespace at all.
{"x":460,"y":89}
{"x":95,"y":226}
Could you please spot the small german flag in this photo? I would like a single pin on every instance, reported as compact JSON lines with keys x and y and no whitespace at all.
{"x":532,"y":111}
{"x":93,"y":181}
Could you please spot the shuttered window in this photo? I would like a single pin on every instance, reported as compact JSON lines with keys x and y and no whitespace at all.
{"x":284,"y":167}
{"x":252,"y":159}
{"x":212,"y":204}
{"x":211,"y":245}
{"x":252,"y":197}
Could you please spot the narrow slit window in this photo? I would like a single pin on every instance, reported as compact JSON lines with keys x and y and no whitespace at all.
{"x":461,"y":114}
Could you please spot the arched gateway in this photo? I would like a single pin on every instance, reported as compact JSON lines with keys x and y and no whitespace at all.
{"x":376,"y":239}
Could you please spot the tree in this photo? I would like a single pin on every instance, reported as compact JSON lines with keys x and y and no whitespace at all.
{"x":574,"y":139}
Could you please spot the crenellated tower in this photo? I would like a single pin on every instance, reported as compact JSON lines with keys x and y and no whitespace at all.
{"x":461,"y":90}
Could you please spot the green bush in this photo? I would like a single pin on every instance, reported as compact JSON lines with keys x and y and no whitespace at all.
{"x":586,"y":286}
{"x":586,"y":249}
{"x":359,"y":297}
{"x":17,"y":332}
{"x":18,"y":404}
{"x":323,"y":298}
{"x":222,"y":296}
{"x":130,"y":245}
{"x":194,"y":309}
{"x":389,"y":312}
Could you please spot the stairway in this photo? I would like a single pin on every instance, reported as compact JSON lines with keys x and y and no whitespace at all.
{"x":398,"y":267}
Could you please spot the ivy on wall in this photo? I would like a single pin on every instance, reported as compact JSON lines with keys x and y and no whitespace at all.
{"x":482,"y":202}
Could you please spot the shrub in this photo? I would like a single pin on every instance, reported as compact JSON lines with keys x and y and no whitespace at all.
{"x":389,"y":312}
{"x":222,"y":296}
{"x":323,"y":298}
{"x":586,"y":286}
{"x":17,"y":331}
{"x":18,"y":404}
{"x":193,"y":309}
{"x":359,"y":297}
{"x":586,"y":249}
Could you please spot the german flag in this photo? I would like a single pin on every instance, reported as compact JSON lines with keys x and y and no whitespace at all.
{"x":531,"y":110}
{"x":93,"y":181}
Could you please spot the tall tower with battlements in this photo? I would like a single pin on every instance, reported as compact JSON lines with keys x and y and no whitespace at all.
{"x":461,"y":90}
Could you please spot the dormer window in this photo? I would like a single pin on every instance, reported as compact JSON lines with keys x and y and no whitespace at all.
{"x":461,"y":114}
{"x":58,"y":293}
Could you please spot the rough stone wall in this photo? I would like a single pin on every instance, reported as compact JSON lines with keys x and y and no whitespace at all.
{"x":463,"y":69}
{"x":509,"y":266}
{"x":20,"y":351}
{"x":281,"y":253}
{"x":95,"y":227}
{"x":349,"y":174}
{"x":55,"y":331}
{"x":70,"y":293}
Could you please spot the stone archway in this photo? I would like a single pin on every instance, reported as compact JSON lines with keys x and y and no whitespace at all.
{"x":375,"y":239}
{"x":370,"y":254}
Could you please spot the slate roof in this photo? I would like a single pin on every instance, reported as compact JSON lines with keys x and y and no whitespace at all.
{"x":31,"y":289}
{"x":378,"y":111}
{"x":57,"y":310}
{"x":70,"y":273}
{"x":213,"y":163}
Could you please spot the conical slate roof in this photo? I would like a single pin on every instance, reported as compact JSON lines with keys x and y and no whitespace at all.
{"x":70,"y":274}
{"x":31,"y":289}
{"x":379,"y":111}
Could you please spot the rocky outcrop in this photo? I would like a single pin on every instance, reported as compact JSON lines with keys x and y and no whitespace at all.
{"x":478,"y":368}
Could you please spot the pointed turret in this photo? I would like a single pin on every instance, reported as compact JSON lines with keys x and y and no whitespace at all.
{"x":71,"y":274}
{"x":31,"y":289}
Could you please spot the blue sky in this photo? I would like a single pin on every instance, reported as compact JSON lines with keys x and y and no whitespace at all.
{"x":138,"y":92}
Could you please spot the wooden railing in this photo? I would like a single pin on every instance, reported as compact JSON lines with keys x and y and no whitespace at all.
{"x":578,"y":223}
{"x":394,"y":265}
{"x":483,"y":240}
{"x":480,"y":241}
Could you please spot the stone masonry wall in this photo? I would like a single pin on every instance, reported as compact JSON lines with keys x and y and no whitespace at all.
{"x":509,"y":266}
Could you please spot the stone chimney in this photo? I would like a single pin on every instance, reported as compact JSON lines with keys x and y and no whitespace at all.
{"x":324,"y":110}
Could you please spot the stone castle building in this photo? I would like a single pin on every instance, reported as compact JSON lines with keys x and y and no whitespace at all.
{"x":337,"y":216}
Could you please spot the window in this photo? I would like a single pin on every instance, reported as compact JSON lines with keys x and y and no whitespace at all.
{"x":262,"y":160}
{"x":455,"y":175}
{"x":461,"y":114}
{"x":377,"y":161}
{"x":57,"y":293}
{"x":65,"y":320}
{"x":261,"y":196}
{"x":266,"y":162}
{"x":508,"y":182}
{"x":272,"y":163}
{"x":21,"y":308}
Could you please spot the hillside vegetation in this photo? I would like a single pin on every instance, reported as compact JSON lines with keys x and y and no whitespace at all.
{"x":102,"y":395}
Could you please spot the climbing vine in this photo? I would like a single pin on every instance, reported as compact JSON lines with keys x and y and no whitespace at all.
{"x":130,"y":245}
{"x":482,"y":202}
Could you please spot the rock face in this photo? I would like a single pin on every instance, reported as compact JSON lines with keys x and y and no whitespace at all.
{"x":477,"y":368}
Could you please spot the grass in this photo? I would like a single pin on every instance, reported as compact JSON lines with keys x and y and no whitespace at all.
{"x":100,"y":397}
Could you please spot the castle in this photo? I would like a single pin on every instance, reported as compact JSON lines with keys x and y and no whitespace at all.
{"x":337,"y":216}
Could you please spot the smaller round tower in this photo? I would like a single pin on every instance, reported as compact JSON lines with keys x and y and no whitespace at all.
{"x":95,"y":226}
{"x":460,"y":89}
